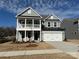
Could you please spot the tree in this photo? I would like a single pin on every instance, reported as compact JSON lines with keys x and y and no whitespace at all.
{"x":7,"y":31}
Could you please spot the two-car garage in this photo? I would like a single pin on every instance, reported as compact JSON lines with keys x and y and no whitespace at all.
{"x":53,"y":35}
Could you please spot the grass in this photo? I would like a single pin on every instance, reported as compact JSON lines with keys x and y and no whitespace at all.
{"x":24,"y":46}
{"x":42,"y":56}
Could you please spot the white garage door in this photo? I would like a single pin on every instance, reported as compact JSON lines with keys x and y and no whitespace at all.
{"x":53,"y":35}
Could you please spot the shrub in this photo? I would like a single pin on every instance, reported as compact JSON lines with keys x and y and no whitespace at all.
{"x":4,"y":40}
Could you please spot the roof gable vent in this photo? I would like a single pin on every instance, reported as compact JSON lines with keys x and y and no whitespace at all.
{"x":51,"y":17}
{"x":29,"y":11}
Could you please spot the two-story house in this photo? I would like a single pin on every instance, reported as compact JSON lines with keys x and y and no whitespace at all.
{"x":31,"y":25}
{"x":71,"y":28}
{"x":76,"y":26}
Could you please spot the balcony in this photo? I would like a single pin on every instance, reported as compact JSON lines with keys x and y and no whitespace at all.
{"x":28,"y":26}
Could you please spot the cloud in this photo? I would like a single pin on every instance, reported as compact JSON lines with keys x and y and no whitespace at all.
{"x":13,"y":6}
{"x":62,"y":8}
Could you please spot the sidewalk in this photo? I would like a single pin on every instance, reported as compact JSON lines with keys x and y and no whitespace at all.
{"x":74,"y":54}
{"x":29,"y":52}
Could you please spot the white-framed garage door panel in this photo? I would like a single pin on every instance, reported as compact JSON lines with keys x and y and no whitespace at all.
{"x":52,"y":36}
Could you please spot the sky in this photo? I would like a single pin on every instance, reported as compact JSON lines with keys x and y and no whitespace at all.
{"x":62,"y":8}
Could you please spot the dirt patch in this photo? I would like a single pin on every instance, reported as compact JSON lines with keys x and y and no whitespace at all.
{"x":74,"y":41}
{"x":42,"y":56}
{"x":25,"y":46}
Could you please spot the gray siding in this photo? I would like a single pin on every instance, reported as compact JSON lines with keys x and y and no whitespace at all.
{"x":71,"y":29}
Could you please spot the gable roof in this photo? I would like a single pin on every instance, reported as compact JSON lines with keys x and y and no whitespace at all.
{"x":44,"y":17}
{"x":28,"y":12}
{"x":52,"y":17}
{"x":71,"y":20}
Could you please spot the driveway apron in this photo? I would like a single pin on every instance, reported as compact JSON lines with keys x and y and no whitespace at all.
{"x":64,"y":46}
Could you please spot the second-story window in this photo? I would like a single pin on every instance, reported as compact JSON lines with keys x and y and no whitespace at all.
{"x":29,"y":21}
{"x":22,"y":22}
{"x":48,"y":24}
{"x":55,"y":24}
{"x":36,"y":22}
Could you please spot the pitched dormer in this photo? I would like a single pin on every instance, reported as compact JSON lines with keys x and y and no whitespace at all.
{"x":52,"y":21}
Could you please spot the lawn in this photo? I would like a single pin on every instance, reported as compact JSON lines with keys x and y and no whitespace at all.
{"x":42,"y":56}
{"x":24,"y":46}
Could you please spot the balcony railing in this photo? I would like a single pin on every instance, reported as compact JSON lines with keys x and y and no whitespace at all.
{"x":21,"y":25}
{"x":28,"y":26}
{"x":36,"y":25}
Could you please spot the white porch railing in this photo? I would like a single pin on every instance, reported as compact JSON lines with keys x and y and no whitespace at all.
{"x":37,"y":25}
{"x":21,"y":26}
{"x":28,"y":26}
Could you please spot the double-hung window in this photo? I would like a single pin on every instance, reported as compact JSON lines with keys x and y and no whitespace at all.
{"x":55,"y":24}
{"x":48,"y":24}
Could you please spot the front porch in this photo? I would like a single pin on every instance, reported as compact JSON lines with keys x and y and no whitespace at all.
{"x":24,"y":36}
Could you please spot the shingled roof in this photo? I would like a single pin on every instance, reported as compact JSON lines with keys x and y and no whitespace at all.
{"x":52,"y":18}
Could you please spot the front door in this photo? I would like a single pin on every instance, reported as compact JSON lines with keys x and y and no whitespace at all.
{"x":36,"y":35}
{"x":29,"y":34}
{"x":22,"y":34}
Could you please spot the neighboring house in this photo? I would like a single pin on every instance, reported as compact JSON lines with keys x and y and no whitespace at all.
{"x":76,"y":25}
{"x":71,"y":28}
{"x":38,"y":27}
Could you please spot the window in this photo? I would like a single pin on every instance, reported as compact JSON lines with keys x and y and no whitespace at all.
{"x":48,"y":24}
{"x":36,"y":21}
{"x":42,"y":22}
{"x":75,"y":33}
{"x":55,"y":24}
{"x":22,"y":21}
{"x":29,"y":21}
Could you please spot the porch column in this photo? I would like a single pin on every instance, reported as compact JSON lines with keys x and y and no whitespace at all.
{"x":25,"y":37}
{"x":40,"y":31}
{"x":25,"y":22}
{"x":17,"y":23}
{"x":32,"y":23}
{"x":40,"y":36}
{"x":40,"y":24}
{"x":16,"y":35}
{"x":32,"y":29}
{"x":32,"y":35}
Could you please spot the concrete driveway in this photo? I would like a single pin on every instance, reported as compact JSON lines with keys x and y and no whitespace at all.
{"x":64,"y":46}
{"x":67,"y":48}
